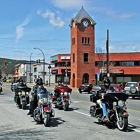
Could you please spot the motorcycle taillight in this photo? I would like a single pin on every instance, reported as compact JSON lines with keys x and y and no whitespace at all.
{"x":46,"y":108}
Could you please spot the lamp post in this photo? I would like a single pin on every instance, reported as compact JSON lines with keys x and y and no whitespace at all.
{"x":30,"y":66}
{"x":43,"y":64}
{"x":49,"y":67}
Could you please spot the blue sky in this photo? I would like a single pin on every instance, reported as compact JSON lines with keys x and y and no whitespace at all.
{"x":44,"y":24}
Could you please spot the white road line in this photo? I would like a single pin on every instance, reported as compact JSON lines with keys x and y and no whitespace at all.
{"x":136,"y":130}
{"x":82,"y":113}
{"x":89,"y":116}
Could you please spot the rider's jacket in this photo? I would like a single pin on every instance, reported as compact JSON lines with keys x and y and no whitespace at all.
{"x":103,"y":90}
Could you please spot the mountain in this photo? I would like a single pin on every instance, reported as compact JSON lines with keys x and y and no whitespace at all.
{"x":7,"y":66}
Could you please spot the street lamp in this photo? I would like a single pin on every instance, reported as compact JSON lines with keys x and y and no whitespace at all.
{"x":49,"y":67}
{"x":43,"y":64}
{"x":30,"y":66}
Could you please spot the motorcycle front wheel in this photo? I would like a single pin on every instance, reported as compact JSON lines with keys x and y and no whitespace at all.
{"x":23,"y":105}
{"x":122,"y":123}
{"x":47,"y":120}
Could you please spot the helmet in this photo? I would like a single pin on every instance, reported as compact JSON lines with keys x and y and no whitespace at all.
{"x":39,"y":81}
{"x":106,"y":80}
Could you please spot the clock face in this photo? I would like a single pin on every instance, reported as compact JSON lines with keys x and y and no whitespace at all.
{"x":85,"y":23}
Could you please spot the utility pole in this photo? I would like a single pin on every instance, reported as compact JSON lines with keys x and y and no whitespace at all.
{"x":107,"y":53}
{"x":30,"y":67}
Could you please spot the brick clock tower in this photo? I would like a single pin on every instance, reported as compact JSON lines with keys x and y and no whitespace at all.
{"x":82,"y":49}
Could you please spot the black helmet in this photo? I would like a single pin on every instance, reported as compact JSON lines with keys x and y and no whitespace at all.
{"x":39,"y":81}
{"x":106,"y":80}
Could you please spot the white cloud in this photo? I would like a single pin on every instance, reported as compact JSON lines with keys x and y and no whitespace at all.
{"x":112,"y":13}
{"x":54,"y":21}
{"x":70,"y":4}
{"x":20,"y":28}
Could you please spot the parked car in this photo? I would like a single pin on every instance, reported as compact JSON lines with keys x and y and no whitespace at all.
{"x":86,"y":87}
{"x":96,"y":88}
{"x":117,"y":87}
{"x":132,"y":89}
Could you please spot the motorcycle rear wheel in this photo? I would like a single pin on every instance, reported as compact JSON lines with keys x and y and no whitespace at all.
{"x":122,"y":124}
{"x":47,"y":120}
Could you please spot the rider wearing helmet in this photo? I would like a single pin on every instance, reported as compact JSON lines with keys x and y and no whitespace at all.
{"x":105,"y":90}
{"x":34,"y":100}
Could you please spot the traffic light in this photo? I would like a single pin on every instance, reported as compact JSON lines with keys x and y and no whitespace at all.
{"x":5,"y":62}
{"x":38,"y":61}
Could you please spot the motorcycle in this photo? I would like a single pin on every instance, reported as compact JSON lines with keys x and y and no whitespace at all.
{"x":22,"y":96}
{"x":44,"y":110}
{"x":116,"y":109}
{"x":61,"y":97}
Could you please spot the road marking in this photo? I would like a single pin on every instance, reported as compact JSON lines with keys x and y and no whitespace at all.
{"x":90,"y":116}
{"x":82,"y":113}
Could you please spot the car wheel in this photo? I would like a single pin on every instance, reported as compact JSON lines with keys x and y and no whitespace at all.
{"x":80,"y":91}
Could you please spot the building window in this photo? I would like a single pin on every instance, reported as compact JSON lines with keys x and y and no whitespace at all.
{"x":85,"y":57}
{"x":35,"y":69}
{"x":85,"y":40}
{"x":73,"y":57}
{"x":73,"y":41}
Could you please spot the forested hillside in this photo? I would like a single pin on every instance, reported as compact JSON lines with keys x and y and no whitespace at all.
{"x":7,"y":66}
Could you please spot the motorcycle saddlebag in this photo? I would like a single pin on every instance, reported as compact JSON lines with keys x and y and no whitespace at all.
{"x":93,"y":98}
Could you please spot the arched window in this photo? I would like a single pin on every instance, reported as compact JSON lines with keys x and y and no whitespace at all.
{"x":85,"y":78}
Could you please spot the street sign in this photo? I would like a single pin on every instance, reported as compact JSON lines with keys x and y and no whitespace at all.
{"x":98,"y":76}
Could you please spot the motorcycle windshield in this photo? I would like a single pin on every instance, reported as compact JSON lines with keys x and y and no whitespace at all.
{"x":44,"y":98}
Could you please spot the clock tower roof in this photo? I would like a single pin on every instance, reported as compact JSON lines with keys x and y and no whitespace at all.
{"x":81,"y":15}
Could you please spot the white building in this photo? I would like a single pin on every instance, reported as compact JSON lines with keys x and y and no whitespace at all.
{"x":37,"y":72}
{"x":30,"y":72}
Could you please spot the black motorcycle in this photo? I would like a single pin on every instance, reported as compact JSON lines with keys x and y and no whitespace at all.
{"x":22,"y":96}
{"x":116,"y":109}
{"x":44,"y":110}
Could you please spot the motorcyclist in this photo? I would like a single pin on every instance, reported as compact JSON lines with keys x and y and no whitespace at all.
{"x":21,"y":83}
{"x":105,"y":90}
{"x":34,"y":100}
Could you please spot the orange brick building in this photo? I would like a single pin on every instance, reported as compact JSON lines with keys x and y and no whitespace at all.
{"x":83,"y":65}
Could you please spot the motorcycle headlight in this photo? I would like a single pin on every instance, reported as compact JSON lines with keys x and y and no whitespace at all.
{"x":45,"y":100}
{"x":121,"y":103}
{"x":61,"y":93}
{"x":114,"y":103}
{"x":23,"y":93}
{"x":19,"y":93}
{"x":65,"y":93}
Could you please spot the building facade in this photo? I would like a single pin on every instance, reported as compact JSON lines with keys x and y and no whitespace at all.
{"x":82,"y":49}
{"x":62,"y":67}
{"x":30,"y":72}
{"x":86,"y":66}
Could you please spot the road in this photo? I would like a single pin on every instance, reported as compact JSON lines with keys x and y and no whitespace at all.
{"x":75,"y":124}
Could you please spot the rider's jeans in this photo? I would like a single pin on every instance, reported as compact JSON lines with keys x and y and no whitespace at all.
{"x":104,"y":108}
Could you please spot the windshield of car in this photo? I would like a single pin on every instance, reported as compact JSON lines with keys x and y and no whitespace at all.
{"x":85,"y":84}
{"x":131,"y":84}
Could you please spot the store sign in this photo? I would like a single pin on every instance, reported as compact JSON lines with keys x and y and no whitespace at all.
{"x":115,"y":70}
{"x":54,"y":71}
{"x":65,"y":57}
{"x":54,"y":58}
